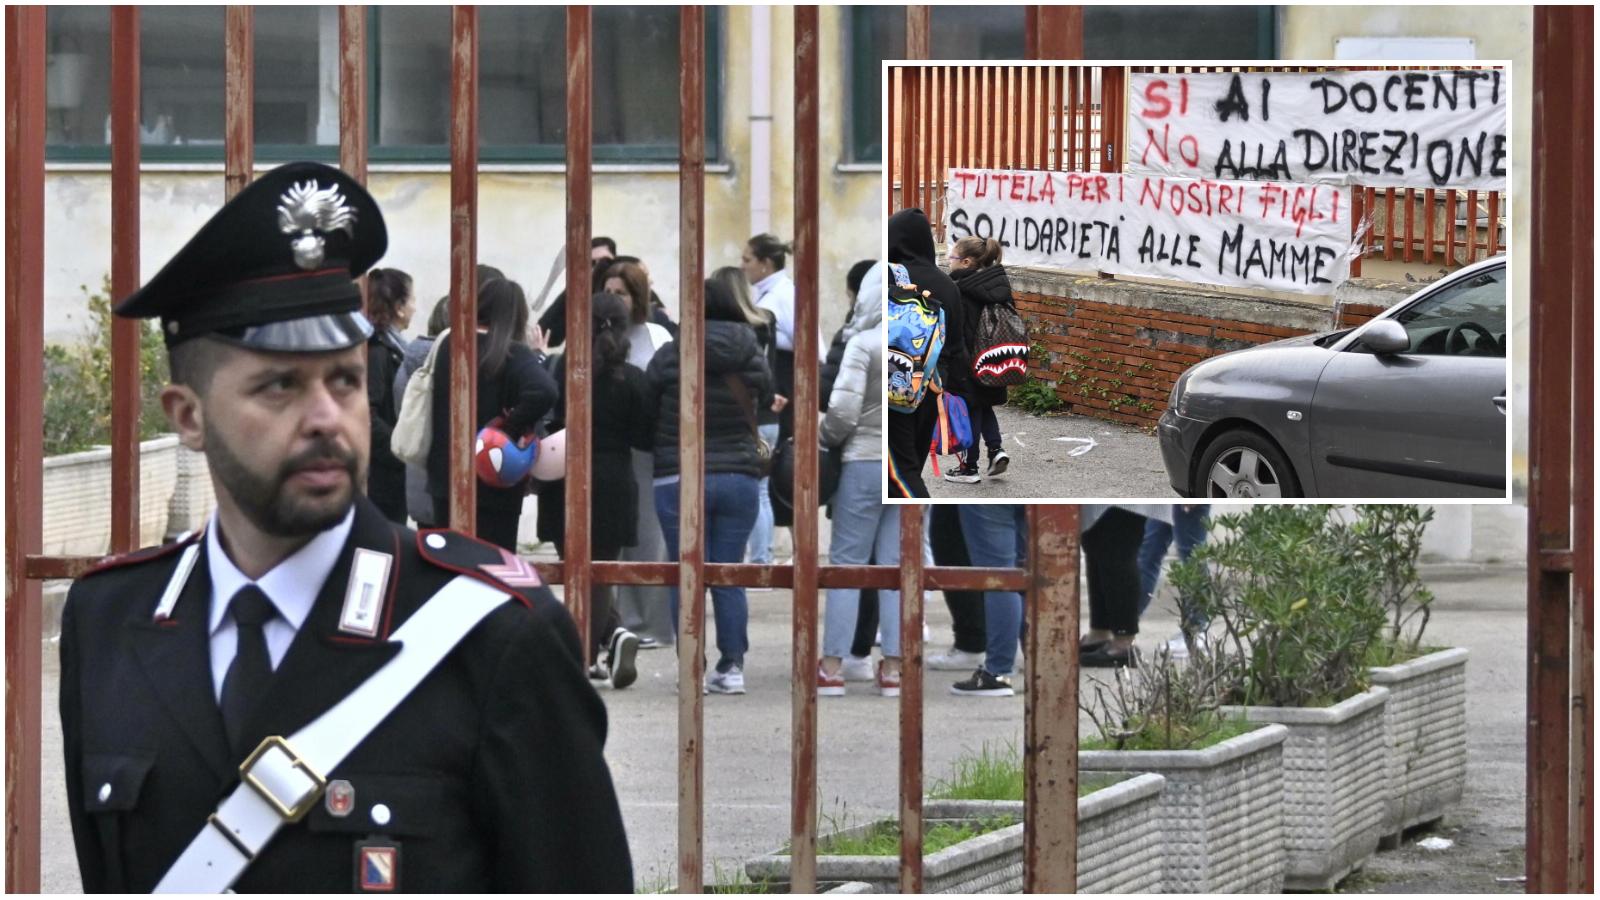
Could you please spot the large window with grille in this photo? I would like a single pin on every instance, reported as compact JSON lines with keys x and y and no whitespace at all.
{"x":521,"y":83}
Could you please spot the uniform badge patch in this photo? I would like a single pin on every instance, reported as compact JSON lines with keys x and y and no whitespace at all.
{"x":340,"y":798}
{"x":513,"y":571}
{"x":377,"y":865}
{"x":366,"y":593}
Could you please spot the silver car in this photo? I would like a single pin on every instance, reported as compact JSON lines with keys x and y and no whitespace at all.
{"x":1411,"y":404}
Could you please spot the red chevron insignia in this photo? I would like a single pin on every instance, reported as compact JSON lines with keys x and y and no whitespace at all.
{"x":513,"y":571}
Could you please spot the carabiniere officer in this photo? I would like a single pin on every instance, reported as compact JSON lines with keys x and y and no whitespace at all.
{"x":303,"y":696}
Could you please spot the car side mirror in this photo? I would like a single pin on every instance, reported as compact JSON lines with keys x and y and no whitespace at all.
{"x":1386,"y":336}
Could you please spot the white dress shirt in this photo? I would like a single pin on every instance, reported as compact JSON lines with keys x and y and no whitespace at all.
{"x":292,"y":586}
{"x":776,"y":293}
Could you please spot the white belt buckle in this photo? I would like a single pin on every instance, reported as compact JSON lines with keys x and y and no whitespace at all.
{"x":277,"y":770}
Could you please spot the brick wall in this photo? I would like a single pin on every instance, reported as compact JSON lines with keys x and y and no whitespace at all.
{"x":1115,"y":348}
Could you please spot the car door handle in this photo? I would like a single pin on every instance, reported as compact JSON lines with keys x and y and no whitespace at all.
{"x":1500,"y":403}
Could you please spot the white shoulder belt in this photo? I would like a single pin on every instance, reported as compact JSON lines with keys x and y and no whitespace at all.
{"x":283,"y":779}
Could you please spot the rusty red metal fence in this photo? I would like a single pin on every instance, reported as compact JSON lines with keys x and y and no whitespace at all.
{"x":1073,"y":118}
{"x":1073,"y":121}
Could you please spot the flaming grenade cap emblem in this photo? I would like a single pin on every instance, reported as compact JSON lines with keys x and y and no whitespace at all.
{"x":305,"y":212}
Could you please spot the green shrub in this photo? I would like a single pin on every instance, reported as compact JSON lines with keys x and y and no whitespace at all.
{"x":884,"y":839}
{"x":1297,"y":597}
{"x":1035,"y":396}
{"x":77,"y":382}
{"x":1165,"y":706}
{"x":1390,"y":536}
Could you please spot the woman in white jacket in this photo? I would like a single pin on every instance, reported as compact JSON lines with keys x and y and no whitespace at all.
{"x":864,"y":527}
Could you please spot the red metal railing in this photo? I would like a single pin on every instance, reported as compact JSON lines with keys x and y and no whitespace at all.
{"x":1050,"y":579}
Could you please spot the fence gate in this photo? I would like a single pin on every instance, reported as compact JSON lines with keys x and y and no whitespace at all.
{"x":1050,"y":580}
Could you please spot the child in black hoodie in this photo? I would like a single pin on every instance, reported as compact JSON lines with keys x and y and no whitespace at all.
{"x":909,"y":436}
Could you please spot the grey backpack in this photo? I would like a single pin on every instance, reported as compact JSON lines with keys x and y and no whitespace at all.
{"x":1001,"y":347}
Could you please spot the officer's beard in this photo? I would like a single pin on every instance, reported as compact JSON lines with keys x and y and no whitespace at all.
{"x":267,"y":503}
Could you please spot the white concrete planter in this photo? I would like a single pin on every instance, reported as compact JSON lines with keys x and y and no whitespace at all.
{"x":192,"y":496}
{"x":1333,"y":784}
{"x":1425,"y":725}
{"x":77,"y":497}
{"x":1119,"y":849}
{"x":1221,"y":811}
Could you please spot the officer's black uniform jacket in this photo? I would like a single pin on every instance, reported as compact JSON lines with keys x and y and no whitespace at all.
{"x":492,"y":768}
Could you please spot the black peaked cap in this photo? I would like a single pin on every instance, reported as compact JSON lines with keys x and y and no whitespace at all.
{"x":275,"y":268}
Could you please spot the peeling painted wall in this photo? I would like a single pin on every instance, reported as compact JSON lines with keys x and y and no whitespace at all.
{"x":522,"y":213}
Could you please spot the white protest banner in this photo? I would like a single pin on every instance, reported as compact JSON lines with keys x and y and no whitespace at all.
{"x":1432,"y":129}
{"x":1284,"y":237}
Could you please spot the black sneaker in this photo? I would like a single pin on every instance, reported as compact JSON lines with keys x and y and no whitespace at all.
{"x":964,"y":474}
{"x":624,"y":645}
{"x":1106,"y":658}
{"x":982,"y":684}
{"x":998,"y":463}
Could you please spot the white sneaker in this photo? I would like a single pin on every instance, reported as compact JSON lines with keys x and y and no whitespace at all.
{"x":955,"y":660}
{"x":1177,"y":648}
{"x":729,"y":682}
{"x":857,"y":668}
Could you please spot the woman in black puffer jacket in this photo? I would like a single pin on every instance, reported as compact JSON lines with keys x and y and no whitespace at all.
{"x":975,"y":267}
{"x":737,"y":384}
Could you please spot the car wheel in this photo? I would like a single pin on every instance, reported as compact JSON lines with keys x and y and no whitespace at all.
{"x":1243,"y":464}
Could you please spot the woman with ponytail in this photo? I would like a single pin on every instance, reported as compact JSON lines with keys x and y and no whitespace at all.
{"x":975,"y":268}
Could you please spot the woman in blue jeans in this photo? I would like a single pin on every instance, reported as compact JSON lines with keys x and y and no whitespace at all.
{"x":997,"y":537}
{"x":864,"y":527}
{"x":737,"y":383}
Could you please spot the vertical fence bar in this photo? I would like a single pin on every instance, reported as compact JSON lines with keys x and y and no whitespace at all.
{"x":911,"y":684}
{"x":353,"y":101}
{"x":924,"y":148}
{"x":808,"y":267}
{"x":1060,"y":32}
{"x":1449,"y":225}
{"x":579,"y":576}
{"x":1472,"y":227}
{"x":1494,"y":223}
{"x":1580,"y":863}
{"x":1429,"y":206}
{"x":25,"y":137}
{"x":1358,"y":209}
{"x":238,"y":97}
{"x":1050,"y":740}
{"x":125,"y":378}
{"x":353,"y":91}
{"x":691,"y":447}
{"x":908,"y":136}
{"x":1074,"y":75}
{"x":891,"y":93}
{"x":937,"y":121}
{"x":1058,"y":87}
{"x":1411,"y":210}
{"x":691,"y":164}
{"x":918,"y":46}
{"x":1553,"y":289}
{"x":463,"y":391}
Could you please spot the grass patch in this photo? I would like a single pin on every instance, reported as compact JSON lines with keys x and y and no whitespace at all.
{"x":1207,"y":732}
{"x":993,"y":773}
{"x":883,"y":839}
{"x":1035,"y":397}
{"x":1385,"y":653}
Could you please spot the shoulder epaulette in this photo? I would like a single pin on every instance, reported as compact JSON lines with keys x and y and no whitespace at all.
{"x":489,"y":563}
{"x":145,"y":555}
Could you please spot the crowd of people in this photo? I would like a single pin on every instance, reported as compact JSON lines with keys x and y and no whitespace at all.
{"x":749,"y":381}
{"x":748,"y":424}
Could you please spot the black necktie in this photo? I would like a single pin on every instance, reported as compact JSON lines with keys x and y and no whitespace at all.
{"x":246,"y":681}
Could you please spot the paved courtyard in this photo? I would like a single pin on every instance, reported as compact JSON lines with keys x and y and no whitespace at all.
{"x":748,"y":747}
